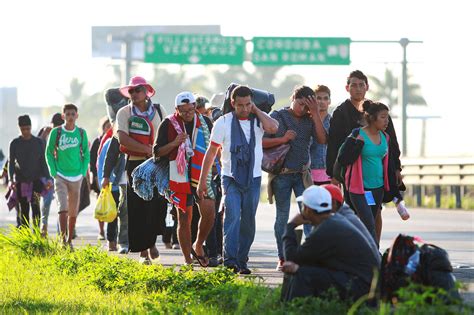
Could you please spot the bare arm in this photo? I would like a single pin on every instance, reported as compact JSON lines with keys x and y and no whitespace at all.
{"x":273,"y":142}
{"x":321,"y":136}
{"x":167,"y":148}
{"x":206,"y":167}
{"x":132,"y":144}
{"x":269,"y":124}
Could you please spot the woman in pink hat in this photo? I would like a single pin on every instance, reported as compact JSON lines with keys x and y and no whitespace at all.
{"x":136,"y":128}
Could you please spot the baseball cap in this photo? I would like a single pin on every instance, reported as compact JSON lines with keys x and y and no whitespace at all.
{"x":316,"y":198}
{"x":335,"y":192}
{"x":184,"y":97}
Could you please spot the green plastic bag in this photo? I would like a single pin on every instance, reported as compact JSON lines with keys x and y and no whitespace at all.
{"x":105,"y":209}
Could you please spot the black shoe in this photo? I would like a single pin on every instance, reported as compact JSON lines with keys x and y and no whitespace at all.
{"x":234,"y":268}
{"x":213,"y":262}
{"x":245,"y":271}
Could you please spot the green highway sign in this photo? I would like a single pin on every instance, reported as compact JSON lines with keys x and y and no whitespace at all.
{"x":194,"y":49}
{"x":277,"y":51}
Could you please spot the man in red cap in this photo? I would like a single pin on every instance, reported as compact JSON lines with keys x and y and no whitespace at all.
{"x":338,"y":206}
{"x":334,"y":255}
{"x":135,"y":130}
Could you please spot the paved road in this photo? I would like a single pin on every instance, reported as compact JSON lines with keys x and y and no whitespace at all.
{"x":452,"y":230}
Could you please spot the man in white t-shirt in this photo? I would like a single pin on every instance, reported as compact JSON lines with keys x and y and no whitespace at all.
{"x":239,"y":134}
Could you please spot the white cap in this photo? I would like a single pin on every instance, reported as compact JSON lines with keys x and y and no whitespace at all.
{"x":316,"y":198}
{"x":184,"y":96}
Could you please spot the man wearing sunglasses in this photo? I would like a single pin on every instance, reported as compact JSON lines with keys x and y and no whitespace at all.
{"x":135,"y":130}
{"x":334,"y":255}
{"x":182,"y":141}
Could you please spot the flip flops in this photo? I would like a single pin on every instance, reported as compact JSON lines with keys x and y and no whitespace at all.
{"x":201,"y":259}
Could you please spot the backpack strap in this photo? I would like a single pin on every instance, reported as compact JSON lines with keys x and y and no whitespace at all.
{"x":81,"y":131}
{"x":58,"y":136}
{"x":56,"y":145}
{"x":158,"y":109}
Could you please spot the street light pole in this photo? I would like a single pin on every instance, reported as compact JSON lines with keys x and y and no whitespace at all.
{"x":404,"y":94}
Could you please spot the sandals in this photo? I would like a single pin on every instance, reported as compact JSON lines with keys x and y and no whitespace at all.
{"x":202,"y":260}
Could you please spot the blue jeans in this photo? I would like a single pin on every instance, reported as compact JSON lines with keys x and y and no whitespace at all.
{"x":47,"y":199}
{"x":282,"y":186}
{"x":239,"y":219}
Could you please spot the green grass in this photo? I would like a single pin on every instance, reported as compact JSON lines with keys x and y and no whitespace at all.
{"x":40,"y":276}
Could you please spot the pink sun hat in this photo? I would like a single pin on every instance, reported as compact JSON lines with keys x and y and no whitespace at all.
{"x":136,"y":81}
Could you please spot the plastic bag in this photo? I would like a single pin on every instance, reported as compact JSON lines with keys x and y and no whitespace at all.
{"x":105,"y":209}
{"x":273,"y":158}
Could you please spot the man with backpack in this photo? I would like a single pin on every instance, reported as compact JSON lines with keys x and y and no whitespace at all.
{"x":238,"y":134}
{"x":67,"y":155}
{"x":135,"y":129}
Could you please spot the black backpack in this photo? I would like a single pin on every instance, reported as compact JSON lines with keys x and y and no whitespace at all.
{"x":343,"y":161}
{"x":432,"y":269}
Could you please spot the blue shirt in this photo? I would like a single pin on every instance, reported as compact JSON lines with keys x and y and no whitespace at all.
{"x":318,"y":150}
{"x":100,"y":167}
{"x":372,"y":160}
{"x":298,"y":155}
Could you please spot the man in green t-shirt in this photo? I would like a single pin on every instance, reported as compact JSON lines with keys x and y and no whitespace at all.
{"x":67,"y":155}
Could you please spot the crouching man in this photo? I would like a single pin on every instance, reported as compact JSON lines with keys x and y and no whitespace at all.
{"x":335,"y":254}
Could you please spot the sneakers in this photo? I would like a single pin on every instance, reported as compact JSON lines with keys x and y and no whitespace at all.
{"x":279,"y":266}
{"x":233,"y":268}
{"x":245,"y":271}
{"x":123,"y":249}
{"x":144,"y":261}
{"x":176,"y":246}
{"x":213,"y":262}
{"x":402,"y":210}
{"x":100,"y":237}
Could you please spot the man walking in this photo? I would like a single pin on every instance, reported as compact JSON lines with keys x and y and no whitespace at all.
{"x":67,"y":155}
{"x":182,"y":141}
{"x":239,"y":133}
{"x":299,"y":125}
{"x":28,"y":171}
{"x":349,"y":115}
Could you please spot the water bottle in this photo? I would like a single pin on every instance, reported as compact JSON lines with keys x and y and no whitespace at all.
{"x":169,"y":218}
{"x":413,"y":263}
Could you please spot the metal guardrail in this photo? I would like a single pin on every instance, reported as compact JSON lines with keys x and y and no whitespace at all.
{"x":453,"y":172}
{"x":418,"y":174}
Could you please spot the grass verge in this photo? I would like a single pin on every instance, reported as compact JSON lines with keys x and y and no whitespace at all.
{"x":39,"y":276}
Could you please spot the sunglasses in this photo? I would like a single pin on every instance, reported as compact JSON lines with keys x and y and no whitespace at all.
{"x":189,"y":111}
{"x":136,"y":89}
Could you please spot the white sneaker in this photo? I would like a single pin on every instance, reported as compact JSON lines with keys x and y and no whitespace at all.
{"x":123,"y":250}
{"x":402,"y":210}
